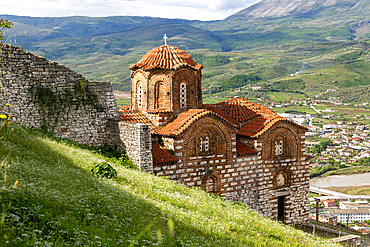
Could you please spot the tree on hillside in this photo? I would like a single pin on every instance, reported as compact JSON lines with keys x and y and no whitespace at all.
{"x":4,"y":24}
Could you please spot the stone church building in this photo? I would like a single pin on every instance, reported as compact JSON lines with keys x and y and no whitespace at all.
{"x":236,"y":149}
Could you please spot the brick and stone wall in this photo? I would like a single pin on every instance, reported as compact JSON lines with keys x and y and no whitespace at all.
{"x":45,"y":94}
{"x":249,"y":179}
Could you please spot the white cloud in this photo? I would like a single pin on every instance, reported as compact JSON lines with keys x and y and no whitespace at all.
{"x":190,"y":9}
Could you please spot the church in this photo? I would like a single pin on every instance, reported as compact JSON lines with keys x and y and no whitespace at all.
{"x":237,"y":149}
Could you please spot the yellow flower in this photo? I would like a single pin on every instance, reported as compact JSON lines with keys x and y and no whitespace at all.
{"x":7,"y":104}
{"x":3,"y":116}
{"x":16,"y":183}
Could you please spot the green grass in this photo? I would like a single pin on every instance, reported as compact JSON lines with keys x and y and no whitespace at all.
{"x":278,"y":96}
{"x":311,"y":194}
{"x":58,"y":202}
{"x":122,"y":102}
{"x":213,"y":100}
{"x":300,"y":109}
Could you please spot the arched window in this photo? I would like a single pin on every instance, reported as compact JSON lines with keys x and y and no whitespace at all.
{"x":182,"y":95}
{"x":280,"y":180}
{"x":211,"y":182}
{"x":139,"y":96}
{"x":204,"y":144}
{"x":279,"y":144}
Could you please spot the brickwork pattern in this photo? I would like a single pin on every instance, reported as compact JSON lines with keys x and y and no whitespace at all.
{"x":45,"y":94}
{"x":248,"y":179}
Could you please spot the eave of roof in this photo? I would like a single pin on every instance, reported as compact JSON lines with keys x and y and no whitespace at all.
{"x":184,"y":120}
{"x":261,"y":124}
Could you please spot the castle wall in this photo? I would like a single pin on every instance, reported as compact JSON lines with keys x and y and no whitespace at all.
{"x":44,"y":94}
{"x":136,"y":141}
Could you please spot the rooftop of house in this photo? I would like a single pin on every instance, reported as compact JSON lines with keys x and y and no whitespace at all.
{"x":358,"y":204}
{"x":166,"y":57}
{"x":350,"y":211}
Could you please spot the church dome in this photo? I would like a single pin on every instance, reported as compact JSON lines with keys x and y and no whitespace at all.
{"x":166,"y":57}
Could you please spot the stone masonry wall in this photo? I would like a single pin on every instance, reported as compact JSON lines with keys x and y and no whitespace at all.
{"x":44,"y":94}
{"x":137,"y":142}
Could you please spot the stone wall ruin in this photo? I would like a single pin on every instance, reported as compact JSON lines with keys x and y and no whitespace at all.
{"x":44,"y":94}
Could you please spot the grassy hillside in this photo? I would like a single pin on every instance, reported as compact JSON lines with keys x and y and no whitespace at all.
{"x":58,"y":202}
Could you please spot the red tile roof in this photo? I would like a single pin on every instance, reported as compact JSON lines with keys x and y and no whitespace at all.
{"x":254,"y":118}
{"x":239,"y":109}
{"x":251,"y":119}
{"x":258,"y":125}
{"x":185,"y":119}
{"x":244,"y":149}
{"x":124,"y":108}
{"x":166,"y":57}
{"x":161,"y":156}
{"x":136,"y":117}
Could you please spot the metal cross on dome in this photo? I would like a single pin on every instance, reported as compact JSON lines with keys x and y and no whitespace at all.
{"x":165,"y":39}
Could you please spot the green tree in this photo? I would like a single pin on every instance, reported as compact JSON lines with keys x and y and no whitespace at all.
{"x":4,"y":24}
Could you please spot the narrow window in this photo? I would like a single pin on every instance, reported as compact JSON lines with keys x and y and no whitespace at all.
{"x":279,"y":147}
{"x":158,"y":95}
{"x":182,"y":95}
{"x":139,"y":96}
{"x":204,"y":144}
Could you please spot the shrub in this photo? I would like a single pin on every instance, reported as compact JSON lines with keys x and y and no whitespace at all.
{"x":103,"y":169}
{"x":126,"y":162}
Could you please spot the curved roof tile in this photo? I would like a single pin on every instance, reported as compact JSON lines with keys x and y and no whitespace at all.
{"x":238,"y":109}
{"x":243,"y":149}
{"x":166,"y":57}
{"x":161,"y":156}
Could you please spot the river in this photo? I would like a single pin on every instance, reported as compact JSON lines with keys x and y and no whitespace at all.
{"x":338,"y":181}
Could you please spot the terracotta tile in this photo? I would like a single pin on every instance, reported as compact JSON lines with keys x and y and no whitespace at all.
{"x":166,"y":57}
{"x":161,"y":156}
{"x":244,"y":149}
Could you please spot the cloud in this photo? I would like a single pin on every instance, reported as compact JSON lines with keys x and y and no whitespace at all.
{"x":190,"y":9}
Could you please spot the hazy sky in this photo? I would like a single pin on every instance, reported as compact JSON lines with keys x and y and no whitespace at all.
{"x":184,"y":9}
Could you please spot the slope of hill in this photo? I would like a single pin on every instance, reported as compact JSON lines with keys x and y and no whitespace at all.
{"x":59,"y":203}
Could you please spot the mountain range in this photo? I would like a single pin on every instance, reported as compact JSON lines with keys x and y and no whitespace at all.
{"x":296,"y":30}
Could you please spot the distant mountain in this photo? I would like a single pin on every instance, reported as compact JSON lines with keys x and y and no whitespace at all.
{"x":304,"y":8}
{"x":271,"y":39}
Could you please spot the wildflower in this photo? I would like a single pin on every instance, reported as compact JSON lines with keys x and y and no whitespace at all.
{"x":3,"y":116}
{"x":16,"y":183}
{"x":7,"y":104}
